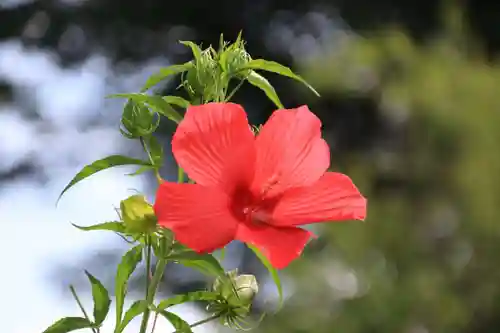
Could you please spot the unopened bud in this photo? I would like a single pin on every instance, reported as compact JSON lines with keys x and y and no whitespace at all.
{"x":138,"y":120}
{"x":246,"y":288}
{"x":204,"y":74}
{"x":239,"y":288}
{"x":138,"y":215}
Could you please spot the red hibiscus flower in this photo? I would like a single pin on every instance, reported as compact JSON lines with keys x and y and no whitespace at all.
{"x":255,"y":189}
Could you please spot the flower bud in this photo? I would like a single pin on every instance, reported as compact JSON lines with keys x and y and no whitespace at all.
{"x":238,"y":288}
{"x":138,"y":120}
{"x":202,"y":78}
{"x":234,"y":58}
{"x":137,"y":214}
{"x":246,"y":288}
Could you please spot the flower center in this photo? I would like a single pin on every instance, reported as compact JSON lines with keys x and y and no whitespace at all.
{"x":256,"y":215}
{"x":248,"y":208}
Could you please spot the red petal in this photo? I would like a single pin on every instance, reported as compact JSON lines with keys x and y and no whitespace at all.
{"x":290,"y":152}
{"x":199,"y":216}
{"x":333,"y":197}
{"x":214,"y":145}
{"x":279,"y":245}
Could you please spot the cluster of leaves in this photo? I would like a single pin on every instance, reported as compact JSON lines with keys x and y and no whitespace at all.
{"x":206,"y":78}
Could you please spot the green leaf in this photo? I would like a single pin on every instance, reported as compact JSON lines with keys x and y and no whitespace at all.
{"x":189,"y":297}
{"x":170,"y":113}
{"x":111,"y":226}
{"x":141,"y":170}
{"x":99,"y":165}
{"x":68,"y":324}
{"x":101,"y":299}
{"x":262,"y":83}
{"x":157,"y":103}
{"x":205,"y":263}
{"x":195,"y":49}
{"x":272,"y":270}
{"x":125,"y":269}
{"x":135,"y":310}
{"x":176,"y":100}
{"x":272,"y":66}
{"x":179,"y":324}
{"x":156,"y":78}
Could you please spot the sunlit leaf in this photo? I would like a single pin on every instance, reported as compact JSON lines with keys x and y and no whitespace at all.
{"x":111,"y":226}
{"x":68,"y":324}
{"x":272,"y":66}
{"x":99,"y":165}
{"x":137,"y":308}
{"x":272,"y":270}
{"x":179,"y":324}
{"x":163,"y":73}
{"x":189,"y":297}
{"x":205,"y":263}
{"x":262,"y":83}
{"x":125,"y":269}
{"x":101,"y":299}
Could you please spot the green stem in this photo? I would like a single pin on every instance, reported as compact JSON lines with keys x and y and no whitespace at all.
{"x":201,"y":322}
{"x":234,"y":90}
{"x":154,"y":322}
{"x":146,"y":149}
{"x":155,"y":281}
{"x":145,"y":318}
{"x":80,"y":305}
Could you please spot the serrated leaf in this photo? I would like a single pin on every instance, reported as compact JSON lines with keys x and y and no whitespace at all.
{"x":137,"y":308}
{"x":272,"y":271}
{"x":189,"y":297}
{"x":68,"y":324}
{"x":163,"y":73}
{"x":205,"y":263}
{"x":125,"y":269}
{"x":262,"y":83}
{"x":111,"y":226}
{"x":176,"y":100}
{"x":274,"y":67}
{"x":99,"y":165}
{"x":101,"y":299}
{"x":180,"y":325}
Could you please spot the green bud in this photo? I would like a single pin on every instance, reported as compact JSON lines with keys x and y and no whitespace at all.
{"x":240,"y":289}
{"x":236,"y":296}
{"x":246,"y":288}
{"x":234,"y":58}
{"x":137,"y":214}
{"x":138,"y":120}
{"x":203,"y":77}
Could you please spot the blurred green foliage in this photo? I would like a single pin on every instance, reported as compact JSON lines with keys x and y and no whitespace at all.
{"x":427,"y":258}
